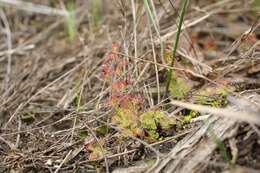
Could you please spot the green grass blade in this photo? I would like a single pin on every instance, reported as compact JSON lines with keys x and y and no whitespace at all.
{"x":170,"y":73}
{"x":71,"y":21}
{"x":152,"y":16}
{"x":220,"y":145}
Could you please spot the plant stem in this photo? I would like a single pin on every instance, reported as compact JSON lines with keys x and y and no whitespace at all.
{"x":220,"y":145}
{"x":170,"y":72}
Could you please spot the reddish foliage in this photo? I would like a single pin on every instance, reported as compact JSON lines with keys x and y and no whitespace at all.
{"x":250,"y":38}
{"x":127,"y":101}
{"x":113,"y":64}
{"x":113,"y":71}
{"x":120,"y":86}
{"x":210,"y":44}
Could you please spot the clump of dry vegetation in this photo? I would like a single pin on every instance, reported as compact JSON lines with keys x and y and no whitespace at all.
{"x":129,"y":86}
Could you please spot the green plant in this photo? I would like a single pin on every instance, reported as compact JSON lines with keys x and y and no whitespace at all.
{"x":191,"y":115}
{"x":71,"y":21}
{"x":170,"y":72}
{"x":215,"y":97}
{"x":102,"y":130}
{"x":96,"y":14}
{"x":151,"y":121}
{"x":129,"y":113}
{"x":179,"y":89}
{"x":220,"y":145}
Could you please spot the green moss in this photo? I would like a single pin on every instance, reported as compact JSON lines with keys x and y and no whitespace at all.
{"x":148,"y":120}
{"x":179,"y":88}
{"x":190,"y":116}
{"x":151,"y":120}
{"x":102,"y":130}
{"x":215,"y":97}
{"x":126,"y":118}
{"x":153,"y":135}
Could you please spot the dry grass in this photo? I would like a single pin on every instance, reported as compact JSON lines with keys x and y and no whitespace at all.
{"x":53,"y":99}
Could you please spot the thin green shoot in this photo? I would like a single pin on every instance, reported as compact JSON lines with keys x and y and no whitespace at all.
{"x":170,"y":72}
{"x":220,"y":145}
{"x":71,"y":21}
